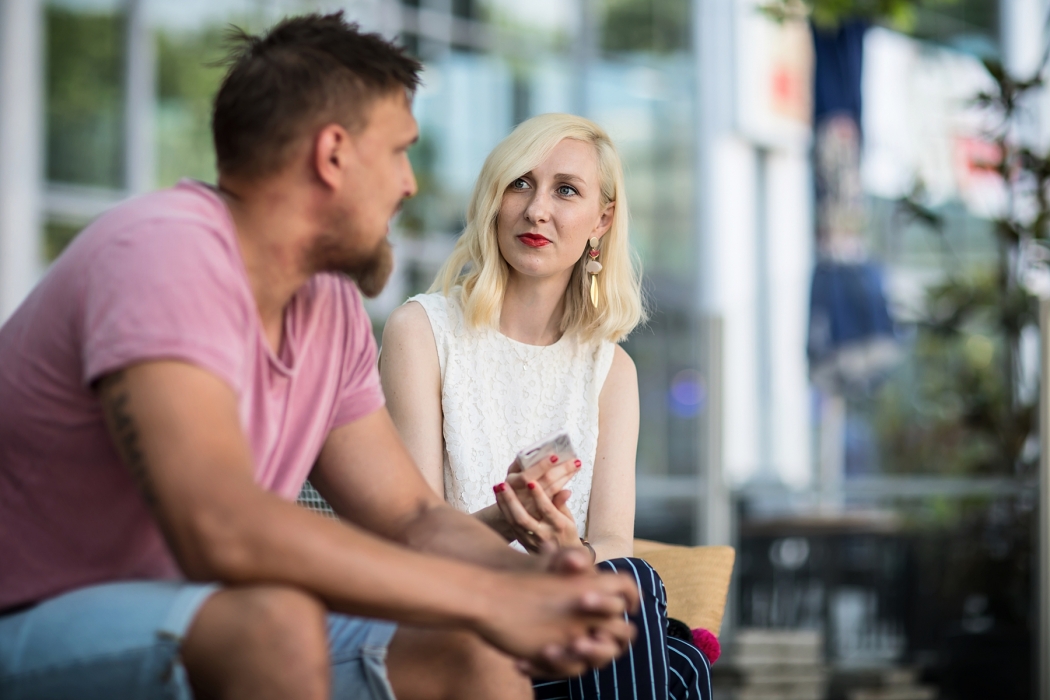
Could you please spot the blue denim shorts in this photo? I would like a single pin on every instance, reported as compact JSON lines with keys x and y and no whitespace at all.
{"x":121,"y":640}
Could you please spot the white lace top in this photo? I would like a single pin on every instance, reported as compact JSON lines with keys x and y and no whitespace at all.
{"x":499,"y":396}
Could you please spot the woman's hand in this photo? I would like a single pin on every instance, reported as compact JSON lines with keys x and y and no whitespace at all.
{"x":553,"y":528}
{"x":550,"y":476}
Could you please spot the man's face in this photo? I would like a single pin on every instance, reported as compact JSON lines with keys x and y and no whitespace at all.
{"x":378,"y":177}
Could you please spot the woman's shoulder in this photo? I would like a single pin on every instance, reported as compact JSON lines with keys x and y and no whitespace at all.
{"x":597,"y":352}
{"x":620,"y":372}
{"x":413,"y":333}
{"x":432,"y":301}
{"x":443,"y":311}
{"x":605,"y":359}
{"x":405,"y":323}
{"x":620,"y":362}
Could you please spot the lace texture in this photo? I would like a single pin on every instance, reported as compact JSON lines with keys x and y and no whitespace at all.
{"x":499,"y":395}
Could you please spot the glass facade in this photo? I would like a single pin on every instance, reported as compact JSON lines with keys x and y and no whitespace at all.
{"x":488,"y":65}
{"x":927,"y":509}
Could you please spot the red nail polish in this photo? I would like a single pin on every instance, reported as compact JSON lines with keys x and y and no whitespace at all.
{"x":498,"y":488}
{"x":578,"y":464}
{"x":532,"y":484}
{"x":554,"y":458}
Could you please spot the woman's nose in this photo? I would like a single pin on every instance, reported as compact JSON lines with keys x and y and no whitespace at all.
{"x":538,"y":209}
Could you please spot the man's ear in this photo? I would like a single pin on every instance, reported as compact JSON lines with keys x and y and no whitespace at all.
{"x":605,"y":220}
{"x":331,"y":154}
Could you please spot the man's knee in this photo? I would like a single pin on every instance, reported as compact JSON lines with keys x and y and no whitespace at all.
{"x":283,"y":616}
{"x":434,"y":664}
{"x":262,"y":635}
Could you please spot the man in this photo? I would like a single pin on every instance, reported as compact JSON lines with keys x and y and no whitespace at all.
{"x":170,"y":384}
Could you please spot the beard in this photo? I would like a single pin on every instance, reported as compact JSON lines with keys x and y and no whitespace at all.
{"x":370,"y":271}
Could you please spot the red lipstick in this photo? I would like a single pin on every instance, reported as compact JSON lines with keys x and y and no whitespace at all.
{"x":533,"y":240}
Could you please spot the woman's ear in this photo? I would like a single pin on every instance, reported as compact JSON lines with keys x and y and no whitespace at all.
{"x":605,"y":220}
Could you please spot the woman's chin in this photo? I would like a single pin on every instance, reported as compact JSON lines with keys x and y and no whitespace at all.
{"x":533,"y":271}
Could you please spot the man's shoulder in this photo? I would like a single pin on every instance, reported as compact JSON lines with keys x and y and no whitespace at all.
{"x":188,"y":208}
{"x":185,"y":226}
{"x":188,"y":200}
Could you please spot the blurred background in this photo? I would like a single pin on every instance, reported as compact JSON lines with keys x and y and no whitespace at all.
{"x":840,"y":206}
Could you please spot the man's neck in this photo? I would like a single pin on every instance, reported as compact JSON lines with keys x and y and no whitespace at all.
{"x":533,"y":308}
{"x":273,"y":229}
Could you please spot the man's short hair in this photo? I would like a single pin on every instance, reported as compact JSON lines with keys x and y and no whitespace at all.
{"x":305,"y":72}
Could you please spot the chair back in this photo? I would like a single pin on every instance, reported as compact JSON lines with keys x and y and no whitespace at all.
{"x":696,"y":578}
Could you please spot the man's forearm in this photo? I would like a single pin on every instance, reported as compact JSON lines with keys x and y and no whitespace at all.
{"x":354,"y":571}
{"x":443,"y":530}
{"x":492,"y":517}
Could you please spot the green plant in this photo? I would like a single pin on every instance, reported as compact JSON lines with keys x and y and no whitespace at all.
{"x":968,"y":341}
{"x":85,"y":117}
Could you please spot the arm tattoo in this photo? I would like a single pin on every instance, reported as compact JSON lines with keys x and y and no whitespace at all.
{"x":125,"y":433}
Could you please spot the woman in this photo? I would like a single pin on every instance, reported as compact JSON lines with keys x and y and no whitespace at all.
{"x":516,"y":341}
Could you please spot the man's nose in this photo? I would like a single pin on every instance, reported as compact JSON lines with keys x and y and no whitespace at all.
{"x":410,"y":184}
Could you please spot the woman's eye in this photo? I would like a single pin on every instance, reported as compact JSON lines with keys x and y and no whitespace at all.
{"x":519,"y":184}
{"x":566,"y":191}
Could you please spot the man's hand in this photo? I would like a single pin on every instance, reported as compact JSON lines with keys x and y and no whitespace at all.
{"x":560,"y":626}
{"x":567,"y":561}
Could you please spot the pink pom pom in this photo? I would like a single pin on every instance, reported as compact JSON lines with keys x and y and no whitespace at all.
{"x":707,"y":643}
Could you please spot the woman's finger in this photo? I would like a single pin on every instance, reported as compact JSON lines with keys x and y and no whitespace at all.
{"x":546,"y":508}
{"x":561,"y":499}
{"x":504,"y":507}
{"x":555,"y":479}
{"x":515,"y":514}
{"x":548,"y":472}
{"x":520,"y":486}
{"x":559,"y":520}
{"x":516,"y":481}
{"x":552,"y":477}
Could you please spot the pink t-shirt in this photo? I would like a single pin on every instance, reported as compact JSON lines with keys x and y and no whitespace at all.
{"x":160,"y":277}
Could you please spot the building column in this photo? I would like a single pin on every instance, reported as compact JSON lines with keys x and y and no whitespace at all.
{"x":140,"y":99}
{"x":21,"y":149}
{"x":1042,"y":593}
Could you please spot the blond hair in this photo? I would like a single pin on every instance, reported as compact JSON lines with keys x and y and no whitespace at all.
{"x":477,"y":272}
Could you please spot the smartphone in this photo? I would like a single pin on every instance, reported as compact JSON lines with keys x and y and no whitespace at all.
{"x":558,"y":445}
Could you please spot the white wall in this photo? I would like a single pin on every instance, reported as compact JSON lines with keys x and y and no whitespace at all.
{"x":789,"y":259}
{"x":753,"y":274}
{"x":735,"y":246}
{"x":21,"y":149}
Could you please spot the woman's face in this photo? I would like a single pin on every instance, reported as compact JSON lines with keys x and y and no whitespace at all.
{"x":548,"y":215}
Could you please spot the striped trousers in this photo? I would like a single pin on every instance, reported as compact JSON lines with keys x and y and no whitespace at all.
{"x":655,"y":667}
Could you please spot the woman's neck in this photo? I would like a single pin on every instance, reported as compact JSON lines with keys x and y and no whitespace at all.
{"x":532,"y":309}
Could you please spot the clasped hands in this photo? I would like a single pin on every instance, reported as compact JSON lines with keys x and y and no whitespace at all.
{"x":533,"y":505}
